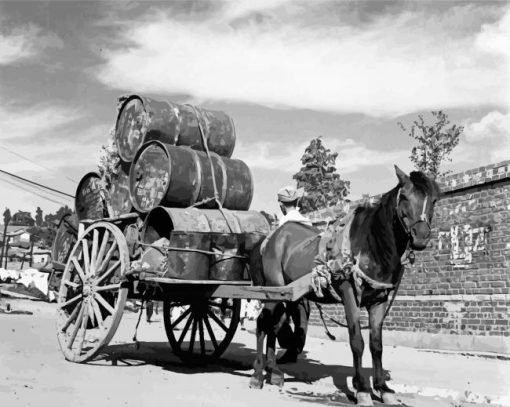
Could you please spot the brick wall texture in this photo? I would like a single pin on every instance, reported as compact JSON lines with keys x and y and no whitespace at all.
{"x":461,"y":283}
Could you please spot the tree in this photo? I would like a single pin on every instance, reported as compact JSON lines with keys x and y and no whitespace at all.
{"x":52,"y":219}
{"x":435,"y":142}
{"x":38,"y":217}
{"x":319,"y":178}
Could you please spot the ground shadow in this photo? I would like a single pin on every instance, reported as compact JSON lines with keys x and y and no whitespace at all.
{"x":238,"y":361}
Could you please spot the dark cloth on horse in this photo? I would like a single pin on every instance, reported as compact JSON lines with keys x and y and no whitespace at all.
{"x":294,"y":339}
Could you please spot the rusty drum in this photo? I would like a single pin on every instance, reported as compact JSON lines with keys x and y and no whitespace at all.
{"x":120,"y":200}
{"x":219,"y":172}
{"x":162,"y":174}
{"x":89,"y":202}
{"x":227,"y":263}
{"x":217,"y":126}
{"x":143,"y":119}
{"x":65,"y":238}
{"x":181,"y":229}
{"x":239,"y":182}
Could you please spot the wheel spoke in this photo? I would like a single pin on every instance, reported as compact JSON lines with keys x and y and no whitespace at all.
{"x":76,"y":328}
{"x":71,"y":317}
{"x":202,"y":341}
{"x":108,"y":287}
{"x":85,"y":321}
{"x":86,"y":258}
{"x":109,"y":271}
{"x":185,"y":330}
{"x":211,"y":333}
{"x":217,"y":320}
{"x":78,"y":268}
{"x":108,"y":256}
{"x":192,"y":337}
{"x":68,"y":302}
{"x":97,"y":313}
{"x":71,"y":284}
{"x":93,"y":255}
{"x":91,"y":312}
{"x":216,"y":305}
{"x":181,"y":317}
{"x":104,"y":303}
{"x":102,"y":249}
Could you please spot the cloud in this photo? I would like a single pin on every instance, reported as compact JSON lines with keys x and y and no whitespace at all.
{"x":486,"y":140}
{"x":392,"y":65}
{"x":286,"y":157}
{"x":26,"y":42}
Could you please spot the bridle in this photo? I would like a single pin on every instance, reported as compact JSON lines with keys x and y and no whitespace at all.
{"x":422,"y":218}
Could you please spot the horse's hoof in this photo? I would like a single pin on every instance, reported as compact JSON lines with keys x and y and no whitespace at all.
{"x":276,"y":378}
{"x":363,"y":399}
{"x":256,"y":381}
{"x":389,"y":398}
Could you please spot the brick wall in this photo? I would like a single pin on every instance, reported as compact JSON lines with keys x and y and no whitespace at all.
{"x":461,"y":283}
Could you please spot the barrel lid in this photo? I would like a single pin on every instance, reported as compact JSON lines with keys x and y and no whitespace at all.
{"x":89,"y":203}
{"x":149,"y":176}
{"x":130,"y":128}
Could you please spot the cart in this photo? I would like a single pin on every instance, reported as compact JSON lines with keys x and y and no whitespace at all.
{"x":103,"y":271}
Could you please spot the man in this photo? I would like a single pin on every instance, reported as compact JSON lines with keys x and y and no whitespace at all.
{"x":299,"y":312}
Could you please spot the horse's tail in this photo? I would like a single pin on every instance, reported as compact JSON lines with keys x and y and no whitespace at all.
{"x":255,"y":264}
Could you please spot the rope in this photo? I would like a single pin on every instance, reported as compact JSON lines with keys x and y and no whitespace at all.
{"x":183,"y":249}
{"x":206,"y":148}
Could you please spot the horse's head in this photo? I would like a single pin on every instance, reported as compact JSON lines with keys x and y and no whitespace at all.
{"x":416,"y":198}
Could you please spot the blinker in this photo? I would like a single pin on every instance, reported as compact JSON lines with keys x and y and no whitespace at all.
{"x":411,"y":256}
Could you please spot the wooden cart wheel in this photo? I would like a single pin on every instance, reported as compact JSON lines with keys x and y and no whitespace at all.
{"x":91,"y":298}
{"x":196,"y":331}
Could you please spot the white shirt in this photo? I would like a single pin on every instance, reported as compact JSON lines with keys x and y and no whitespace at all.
{"x":295,"y":216}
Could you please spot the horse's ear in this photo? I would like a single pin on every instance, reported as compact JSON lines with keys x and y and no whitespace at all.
{"x":403,"y":178}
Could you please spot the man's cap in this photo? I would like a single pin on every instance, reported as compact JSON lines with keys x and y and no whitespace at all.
{"x":290,"y":194}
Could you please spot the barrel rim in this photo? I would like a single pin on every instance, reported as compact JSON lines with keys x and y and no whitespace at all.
{"x":121,"y":110}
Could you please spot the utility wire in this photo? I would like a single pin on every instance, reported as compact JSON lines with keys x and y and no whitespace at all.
{"x":33,"y":162}
{"x":37,"y":184}
{"x":33,"y":192}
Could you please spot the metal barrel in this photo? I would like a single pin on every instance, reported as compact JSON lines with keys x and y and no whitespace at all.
{"x":162,"y":174}
{"x":119,"y":196}
{"x":226,"y":230}
{"x":65,"y":238}
{"x":239,"y":182}
{"x":142,"y":119}
{"x":89,"y":201}
{"x":167,"y":175}
{"x":218,"y":128}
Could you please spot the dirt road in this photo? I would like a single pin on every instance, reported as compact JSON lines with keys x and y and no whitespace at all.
{"x":33,"y":372}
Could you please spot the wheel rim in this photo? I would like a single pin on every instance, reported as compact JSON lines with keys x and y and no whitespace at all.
{"x":91,"y":296}
{"x":196,"y":331}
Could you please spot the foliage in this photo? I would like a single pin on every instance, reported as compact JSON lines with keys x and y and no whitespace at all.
{"x":271,"y":219}
{"x":22,"y":218}
{"x":435,"y":142}
{"x":319,"y":178}
{"x":51,"y":220}
{"x":109,"y":161}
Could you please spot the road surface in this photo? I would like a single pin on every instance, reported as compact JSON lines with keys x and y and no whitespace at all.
{"x":33,"y":372}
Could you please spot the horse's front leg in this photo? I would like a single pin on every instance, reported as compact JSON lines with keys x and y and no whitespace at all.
{"x":376,"y":318}
{"x":352,"y":316}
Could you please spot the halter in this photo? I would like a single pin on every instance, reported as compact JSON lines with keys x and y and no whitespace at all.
{"x":423,"y":217}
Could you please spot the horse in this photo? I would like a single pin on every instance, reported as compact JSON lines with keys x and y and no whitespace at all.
{"x":380,"y":237}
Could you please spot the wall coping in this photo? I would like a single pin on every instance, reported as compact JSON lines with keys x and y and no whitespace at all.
{"x":466,"y":179}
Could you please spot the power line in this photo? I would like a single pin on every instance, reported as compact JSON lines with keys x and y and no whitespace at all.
{"x":37,"y":184}
{"x":32,"y":192}
{"x":33,"y":162}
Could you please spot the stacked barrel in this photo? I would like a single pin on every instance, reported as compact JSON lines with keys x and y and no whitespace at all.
{"x":177,"y":159}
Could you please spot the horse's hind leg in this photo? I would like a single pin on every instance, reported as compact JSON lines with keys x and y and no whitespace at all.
{"x":278,"y":317}
{"x":376,"y":317}
{"x":263,"y":320}
{"x":352,"y":315}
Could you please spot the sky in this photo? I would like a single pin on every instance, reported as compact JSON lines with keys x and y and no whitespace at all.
{"x":286,"y":71}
